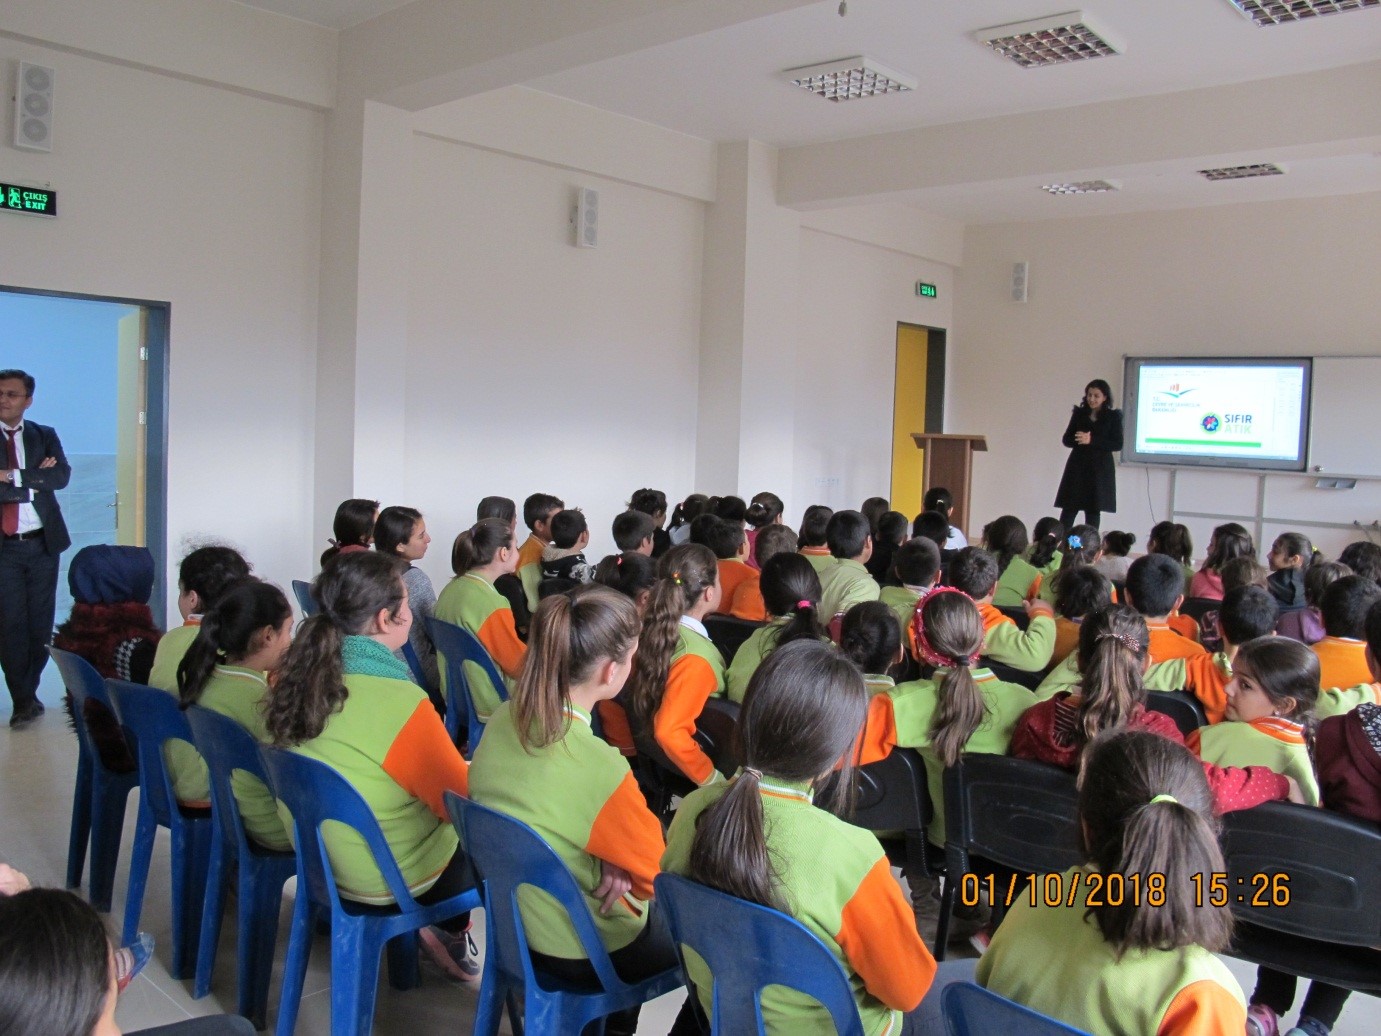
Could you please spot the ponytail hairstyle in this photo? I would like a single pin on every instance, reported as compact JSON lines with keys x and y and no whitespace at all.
{"x":1118,"y":544}
{"x":477,"y":545}
{"x":1145,"y":809}
{"x":765,"y":509}
{"x":311,"y":684}
{"x":1047,"y":540}
{"x":1005,"y":538}
{"x":730,"y":509}
{"x":683,"y":574}
{"x":227,"y":633}
{"x":949,"y":636}
{"x":1081,"y":591}
{"x":1227,"y":542}
{"x":1173,"y":540}
{"x":353,"y":526}
{"x":689,"y":509}
{"x":630,"y":573}
{"x":394,"y":528}
{"x":1285,"y":670}
{"x":801,"y":715}
{"x":651,"y":502}
{"x":1295,"y":544}
{"x":1081,"y":545}
{"x":573,"y":634}
{"x":1112,"y":660}
{"x":791,"y":587}
{"x":209,"y":571}
{"x":870,"y":637}
{"x":874,"y":508}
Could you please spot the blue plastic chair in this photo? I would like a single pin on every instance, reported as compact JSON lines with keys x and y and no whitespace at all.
{"x":971,"y":1010}
{"x":457,"y":646}
{"x":302,"y":590}
{"x":747,"y":947}
{"x":314,"y":794}
{"x":100,"y":794}
{"x":414,"y":664}
{"x":154,"y":718}
{"x":507,"y":854}
{"x":261,"y":873}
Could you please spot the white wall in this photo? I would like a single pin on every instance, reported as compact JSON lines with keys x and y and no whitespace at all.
{"x":1278,"y":278}
{"x":209,"y":199}
{"x":534,"y":365}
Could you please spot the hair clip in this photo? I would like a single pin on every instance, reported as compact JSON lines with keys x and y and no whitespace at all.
{"x":754,"y":771}
{"x":1075,"y":542}
{"x":804,"y":604}
{"x":618,"y":560}
{"x":677,"y":577}
{"x":1125,"y":640}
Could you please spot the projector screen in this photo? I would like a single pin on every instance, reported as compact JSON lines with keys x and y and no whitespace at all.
{"x":1217,"y":412}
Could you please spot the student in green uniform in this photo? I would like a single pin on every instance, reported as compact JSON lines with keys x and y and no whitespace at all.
{"x":791,"y":594}
{"x":870,"y":637}
{"x":847,"y":582}
{"x":811,"y":541}
{"x":1006,"y":539}
{"x":916,"y":566}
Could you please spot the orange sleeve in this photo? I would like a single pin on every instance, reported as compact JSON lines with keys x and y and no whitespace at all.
{"x":500,"y":638}
{"x":1184,"y":625}
{"x":1034,"y":589}
{"x":1192,"y":742}
{"x":424,"y":761}
{"x":690,"y":684}
{"x":879,"y":735}
{"x":617,"y":730}
{"x":748,"y":602}
{"x":626,"y":834}
{"x":878,"y":936}
{"x":1203,"y":1009}
{"x":1202,"y":679}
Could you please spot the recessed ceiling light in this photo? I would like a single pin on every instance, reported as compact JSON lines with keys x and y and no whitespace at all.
{"x":1278,"y":12}
{"x":1082,"y":187}
{"x":849,"y":78}
{"x":1056,"y":40}
{"x":1241,"y":172}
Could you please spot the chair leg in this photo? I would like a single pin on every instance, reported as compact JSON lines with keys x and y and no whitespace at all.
{"x":494,"y":994}
{"x":261,"y":899}
{"x":138,"y":871}
{"x":403,"y":970}
{"x":354,"y":978}
{"x":515,"y":1012}
{"x":295,"y":967}
{"x":212,"y":911}
{"x":191,"y":852}
{"x":109,"y":799}
{"x":81,"y":823}
{"x":948,"y":886}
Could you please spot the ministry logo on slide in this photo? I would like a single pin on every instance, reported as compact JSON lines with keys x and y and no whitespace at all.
{"x":1175,"y":392}
{"x":1210,"y":423}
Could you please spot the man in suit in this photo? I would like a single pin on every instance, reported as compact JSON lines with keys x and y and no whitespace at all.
{"x":32,"y":537}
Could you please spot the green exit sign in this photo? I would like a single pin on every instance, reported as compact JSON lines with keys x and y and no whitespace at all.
{"x":925,"y":291}
{"x":34,"y":201}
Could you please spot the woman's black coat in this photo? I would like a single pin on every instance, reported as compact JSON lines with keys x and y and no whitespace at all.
{"x":1090,"y":480}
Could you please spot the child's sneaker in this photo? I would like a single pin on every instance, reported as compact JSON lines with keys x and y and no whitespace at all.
{"x":980,"y":939}
{"x":454,"y":953}
{"x":130,"y":960}
{"x":1262,"y":1021}
{"x":1309,"y":1027}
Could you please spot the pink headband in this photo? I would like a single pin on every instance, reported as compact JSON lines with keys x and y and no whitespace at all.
{"x":923,"y":646}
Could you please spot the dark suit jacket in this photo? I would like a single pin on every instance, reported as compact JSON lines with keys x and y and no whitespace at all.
{"x":41,"y":483}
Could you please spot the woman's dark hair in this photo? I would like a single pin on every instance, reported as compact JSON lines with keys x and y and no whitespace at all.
{"x":209,"y":571}
{"x":650,"y":502}
{"x":1173,"y":540}
{"x":1146,"y":810}
{"x":1112,"y":658}
{"x":683,"y":574}
{"x":1103,"y":387}
{"x":1081,"y":591}
{"x":813,"y":524}
{"x":791,"y":587}
{"x":630,"y":573}
{"x":353,"y":526}
{"x":1049,"y":540}
{"x":1284,"y":669}
{"x":731,"y":508}
{"x":773,"y":540}
{"x":1322,"y":575}
{"x":477,"y":545}
{"x":1005,"y":538}
{"x":874,"y":508}
{"x":227,"y":633}
{"x":55,"y":964}
{"x":954,"y":629}
{"x":394,"y":528}
{"x":1117,"y":544}
{"x":1296,"y":544}
{"x":801,"y":715}
{"x":311,"y":684}
{"x":765,"y":509}
{"x":572,"y":634}
{"x":689,"y":509}
{"x":1227,"y":542}
{"x":870,"y":637}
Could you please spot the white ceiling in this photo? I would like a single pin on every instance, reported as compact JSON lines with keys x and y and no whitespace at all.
{"x":333,"y":14}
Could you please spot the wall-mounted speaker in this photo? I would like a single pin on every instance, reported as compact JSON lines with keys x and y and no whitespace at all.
{"x":1020,"y":272}
{"x":33,"y":108}
{"x":586,"y":217}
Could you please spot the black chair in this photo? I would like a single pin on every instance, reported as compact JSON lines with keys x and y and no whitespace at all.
{"x":1011,"y":674}
{"x":1017,"y":615}
{"x":1181,"y":706}
{"x":1304,"y":886}
{"x":1018,"y":814}
{"x":892,"y":799}
{"x":728,"y":633}
{"x":1197,"y":607}
{"x":716,"y":731}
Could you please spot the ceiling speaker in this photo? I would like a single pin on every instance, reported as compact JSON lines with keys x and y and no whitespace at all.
{"x":587,"y":218}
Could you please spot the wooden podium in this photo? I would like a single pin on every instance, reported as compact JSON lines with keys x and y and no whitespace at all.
{"x":949,"y":463}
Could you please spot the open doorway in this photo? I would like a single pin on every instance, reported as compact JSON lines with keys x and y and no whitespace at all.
{"x":918,"y":406}
{"x":100,"y":366}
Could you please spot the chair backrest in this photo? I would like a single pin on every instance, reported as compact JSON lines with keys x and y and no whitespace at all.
{"x":315,"y":793}
{"x":1197,"y":607}
{"x":302,"y":590}
{"x":892,"y":794}
{"x":971,"y":1010}
{"x":747,"y":947}
{"x":716,"y":731}
{"x":1185,"y":709}
{"x":154,"y":718}
{"x":1011,"y":674}
{"x":83,"y":683}
{"x":1331,"y":888}
{"x":1015,"y":812}
{"x":414,"y":664}
{"x":506,"y":854}
{"x":226,"y":746}
{"x":456,"y":646}
{"x":728,"y":633}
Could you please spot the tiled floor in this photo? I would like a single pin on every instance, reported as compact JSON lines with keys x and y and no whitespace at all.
{"x":36,"y":771}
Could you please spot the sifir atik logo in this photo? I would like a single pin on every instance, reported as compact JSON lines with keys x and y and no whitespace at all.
{"x":1211,"y":423}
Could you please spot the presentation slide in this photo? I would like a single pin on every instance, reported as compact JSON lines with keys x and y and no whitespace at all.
{"x":1239,"y":413}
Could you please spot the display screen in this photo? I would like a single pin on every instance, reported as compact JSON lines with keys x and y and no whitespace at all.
{"x":1221,"y":412}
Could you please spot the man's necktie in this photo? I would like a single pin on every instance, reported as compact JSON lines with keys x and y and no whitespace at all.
{"x":9,"y":513}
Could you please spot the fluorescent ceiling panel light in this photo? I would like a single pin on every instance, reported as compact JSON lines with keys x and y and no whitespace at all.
{"x":1242,"y":172}
{"x":1056,"y":40}
{"x":1279,"y":12}
{"x":1082,"y":187}
{"x":849,"y":78}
